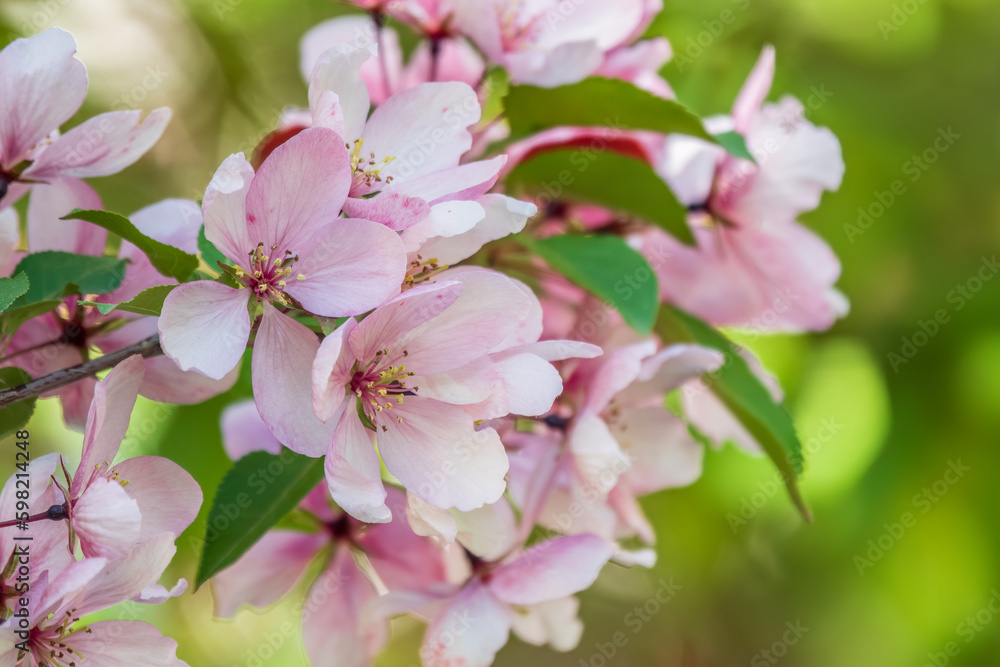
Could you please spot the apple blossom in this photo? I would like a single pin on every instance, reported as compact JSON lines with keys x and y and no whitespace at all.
{"x":42,"y":85}
{"x":754,"y":265}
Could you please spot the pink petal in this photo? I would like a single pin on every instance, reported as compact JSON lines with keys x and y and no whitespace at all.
{"x":457,"y":61}
{"x":467,"y":329}
{"x":340,"y":72}
{"x":350,"y":267}
{"x":346,"y":34}
{"x":204,"y":326}
{"x":554,"y":623}
{"x":266,"y":572}
{"x":108,"y":419}
{"x":526,"y":385}
{"x":566,"y":63}
{"x":168,"y":497}
{"x":664,"y":454}
{"x":401,"y":558}
{"x":597,"y":456}
{"x":164,"y":381}
{"x":427,"y":520}
{"x":467,"y":181}
{"x":126,"y":578}
{"x":107,"y":521}
{"x":157,"y":594}
{"x":331,"y":371}
{"x":504,"y":216}
{"x":395,"y":211}
{"x":489,"y":532}
{"x":243,"y":431}
{"x":754,"y":91}
{"x":352,"y":468}
{"x":50,"y":202}
{"x":298,"y":191}
{"x":393,"y":321}
{"x":551,"y":570}
{"x":282,"y":370}
{"x":41,"y":86}
{"x":616,"y":371}
{"x":423,"y":128}
{"x":335,"y":622}
{"x":125,"y":644}
{"x":224,"y":208}
{"x":468,"y":385}
{"x":449,"y":218}
{"x":101,"y":146}
{"x":437,"y":453}
{"x":469,"y":632}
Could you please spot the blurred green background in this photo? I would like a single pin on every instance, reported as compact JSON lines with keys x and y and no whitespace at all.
{"x":887,"y":77}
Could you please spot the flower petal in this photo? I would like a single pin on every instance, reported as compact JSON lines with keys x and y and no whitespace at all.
{"x":423,"y":128}
{"x":504,"y":216}
{"x":336,"y":627}
{"x":108,"y":419}
{"x":125,"y":644}
{"x":331,"y":371}
{"x":298,"y":190}
{"x":353,"y":474}
{"x":341,"y":73}
{"x":107,"y":521}
{"x":282,"y":383}
{"x":551,"y":570}
{"x":101,"y":146}
{"x":168,"y":496}
{"x":204,"y":326}
{"x":267,"y":571}
{"x":469,"y":631}
{"x":243,"y":431}
{"x":41,"y":86}
{"x":395,"y":211}
{"x":224,"y":208}
{"x":51,"y":201}
{"x":350,"y":267}
{"x":437,"y":453}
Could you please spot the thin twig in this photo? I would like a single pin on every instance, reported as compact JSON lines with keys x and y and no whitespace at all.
{"x":148,"y":347}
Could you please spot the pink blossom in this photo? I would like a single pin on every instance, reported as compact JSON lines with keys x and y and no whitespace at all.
{"x":610,"y":440}
{"x":754,"y":265}
{"x":530,"y":593}
{"x":548,"y":43}
{"x":281,"y":229}
{"x":112,"y":507}
{"x":42,"y":85}
{"x":408,"y":370}
{"x":384,"y":72}
{"x":58,"y":601}
{"x":337,"y":627}
{"x":64,"y":337}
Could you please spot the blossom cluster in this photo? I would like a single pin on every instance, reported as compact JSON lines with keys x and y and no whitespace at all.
{"x":487,"y":425}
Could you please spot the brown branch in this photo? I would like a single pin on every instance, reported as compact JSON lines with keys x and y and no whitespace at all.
{"x":148,"y":347}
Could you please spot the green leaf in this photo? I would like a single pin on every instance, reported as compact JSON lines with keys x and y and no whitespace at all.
{"x":749,"y":400}
{"x":608,"y":267}
{"x":607,"y":179}
{"x":208,"y":251}
{"x":598,"y":102}
{"x":257,"y":492}
{"x":147,"y":302}
{"x":11,"y":289}
{"x":16,"y":415}
{"x":166,"y":259}
{"x":53,"y":275}
{"x":735,"y":145}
